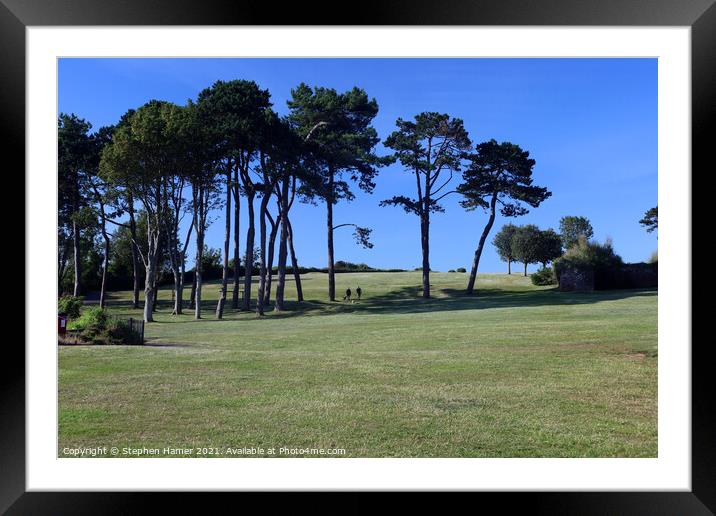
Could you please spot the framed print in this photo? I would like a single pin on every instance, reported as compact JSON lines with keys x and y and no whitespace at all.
{"x":416,"y":250}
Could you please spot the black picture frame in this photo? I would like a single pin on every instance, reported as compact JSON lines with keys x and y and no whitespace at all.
{"x":700,"y":15}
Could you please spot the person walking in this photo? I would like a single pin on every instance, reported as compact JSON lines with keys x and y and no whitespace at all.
{"x":359,"y":292}
{"x":348,"y":295}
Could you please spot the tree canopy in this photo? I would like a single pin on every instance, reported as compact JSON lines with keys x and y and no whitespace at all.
{"x":430,"y":148}
{"x":650,"y":220}
{"x":572,"y":227}
{"x":498,"y":174}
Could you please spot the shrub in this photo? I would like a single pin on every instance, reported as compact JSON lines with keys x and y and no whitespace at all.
{"x":70,"y":306}
{"x":95,"y":326}
{"x":461,"y":269}
{"x":93,"y":320}
{"x":119,"y":332}
{"x":451,"y":270}
{"x":544,"y":276}
{"x":592,"y":256}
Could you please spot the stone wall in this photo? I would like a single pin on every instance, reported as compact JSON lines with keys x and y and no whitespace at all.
{"x":629,"y":275}
{"x":576,"y":280}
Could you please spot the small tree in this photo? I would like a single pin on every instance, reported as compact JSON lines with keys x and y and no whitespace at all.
{"x":526,"y":245}
{"x":503,"y":244}
{"x":650,"y":220}
{"x":549,"y":246}
{"x":572,"y":227}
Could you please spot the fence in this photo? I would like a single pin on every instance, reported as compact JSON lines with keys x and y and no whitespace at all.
{"x":136,"y":326}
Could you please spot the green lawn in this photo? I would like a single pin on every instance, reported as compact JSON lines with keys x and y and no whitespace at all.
{"x":514,"y":371}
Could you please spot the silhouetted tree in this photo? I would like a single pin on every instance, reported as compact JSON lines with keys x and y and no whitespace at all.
{"x":650,"y":220}
{"x":234,"y":112}
{"x":429,"y":148}
{"x":338,"y":127}
{"x":498,"y":173}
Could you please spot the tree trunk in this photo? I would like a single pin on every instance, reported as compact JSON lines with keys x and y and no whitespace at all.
{"x":525,"y":268}
{"x":269,"y":266}
{"x":249,"y":255}
{"x":262,"y":244}
{"x":105,"y":265}
{"x":227,"y":237}
{"x":425,"y":244}
{"x":155,"y":303}
{"x":155,"y":285}
{"x":150,"y":278}
{"x":197,"y":274}
{"x":179,"y":287}
{"x":481,"y":245}
{"x":77,"y":258}
{"x":237,"y":257}
{"x":192,"y":294}
{"x":294,"y":263}
{"x":509,"y":266}
{"x":282,"y":248}
{"x":135,"y":254}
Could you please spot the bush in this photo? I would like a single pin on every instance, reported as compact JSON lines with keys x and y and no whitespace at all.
{"x":70,"y":306}
{"x":451,"y":270}
{"x":461,"y":269}
{"x":119,"y":332}
{"x":93,"y":320}
{"x":544,"y":276}
{"x":595,"y":257}
{"x":95,"y":326}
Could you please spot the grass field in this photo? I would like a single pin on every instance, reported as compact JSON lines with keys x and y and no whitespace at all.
{"x":514,"y":371}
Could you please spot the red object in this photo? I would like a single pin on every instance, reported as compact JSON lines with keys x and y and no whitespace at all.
{"x":62,"y":324}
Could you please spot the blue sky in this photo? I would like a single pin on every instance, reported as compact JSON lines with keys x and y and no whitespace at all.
{"x":590,"y":124}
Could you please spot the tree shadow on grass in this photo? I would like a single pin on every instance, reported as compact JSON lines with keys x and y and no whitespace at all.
{"x":407,"y":300}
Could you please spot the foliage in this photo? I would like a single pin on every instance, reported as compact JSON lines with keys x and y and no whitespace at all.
{"x":650,"y":220}
{"x":432,"y":144}
{"x":120,"y":332}
{"x":96,"y":326}
{"x":572,"y":227}
{"x":654,"y":258}
{"x":526,"y":244}
{"x":461,"y":269}
{"x":92,"y":321}
{"x":503,"y":242}
{"x":549,"y":246}
{"x":500,"y":173}
{"x":339,"y":135}
{"x":70,"y":306}
{"x":90,"y":262}
{"x":74,"y":150}
{"x":343,"y":266}
{"x":544,"y":276}
{"x":586,"y":254}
